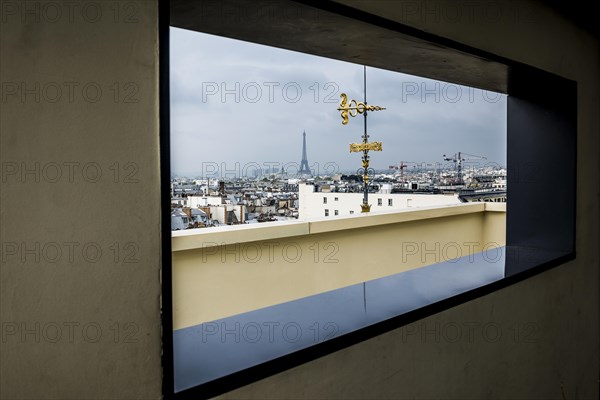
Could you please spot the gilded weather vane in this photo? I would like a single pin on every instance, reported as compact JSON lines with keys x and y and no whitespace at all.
{"x":353,"y":108}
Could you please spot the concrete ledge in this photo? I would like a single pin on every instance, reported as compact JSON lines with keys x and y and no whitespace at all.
{"x":190,"y":239}
{"x":210,"y":237}
{"x":496,"y":207}
{"x":271,"y":263}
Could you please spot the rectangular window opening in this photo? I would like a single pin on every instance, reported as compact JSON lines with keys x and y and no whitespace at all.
{"x":224,"y":177}
{"x":238,"y":213}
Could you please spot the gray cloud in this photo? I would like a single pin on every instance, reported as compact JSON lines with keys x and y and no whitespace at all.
{"x":273,"y":95}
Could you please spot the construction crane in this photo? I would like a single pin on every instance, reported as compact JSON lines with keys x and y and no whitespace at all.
{"x":400,"y":167}
{"x":458,"y":160}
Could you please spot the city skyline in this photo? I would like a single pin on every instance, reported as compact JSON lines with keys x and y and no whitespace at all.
{"x":250,"y":104}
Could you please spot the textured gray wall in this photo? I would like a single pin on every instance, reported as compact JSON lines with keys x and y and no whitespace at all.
{"x":93,"y":319}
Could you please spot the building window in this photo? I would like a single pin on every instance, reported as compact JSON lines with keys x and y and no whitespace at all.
{"x":324,"y":200}
{"x":327,"y":212}
{"x":390,"y":202}
{"x":351,"y":212}
{"x":379,"y":202}
{"x":335,"y":212}
{"x":335,"y":199}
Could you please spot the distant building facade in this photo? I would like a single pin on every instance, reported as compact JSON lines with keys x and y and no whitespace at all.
{"x":321,"y":204}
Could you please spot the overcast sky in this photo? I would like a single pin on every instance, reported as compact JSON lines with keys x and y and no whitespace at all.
{"x":237,"y":104}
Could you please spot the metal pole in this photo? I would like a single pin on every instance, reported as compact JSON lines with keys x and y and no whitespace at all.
{"x":365,"y":140}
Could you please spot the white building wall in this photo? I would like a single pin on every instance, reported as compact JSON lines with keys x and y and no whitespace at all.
{"x":203,"y":201}
{"x":313,"y":204}
{"x":218,"y":212}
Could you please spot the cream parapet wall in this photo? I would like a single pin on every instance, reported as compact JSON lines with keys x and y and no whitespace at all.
{"x":219,"y":272}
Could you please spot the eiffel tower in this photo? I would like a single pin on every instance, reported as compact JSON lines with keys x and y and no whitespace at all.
{"x":304,"y":169}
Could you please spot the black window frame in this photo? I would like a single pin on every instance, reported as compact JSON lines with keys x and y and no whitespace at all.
{"x":542,"y":111}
